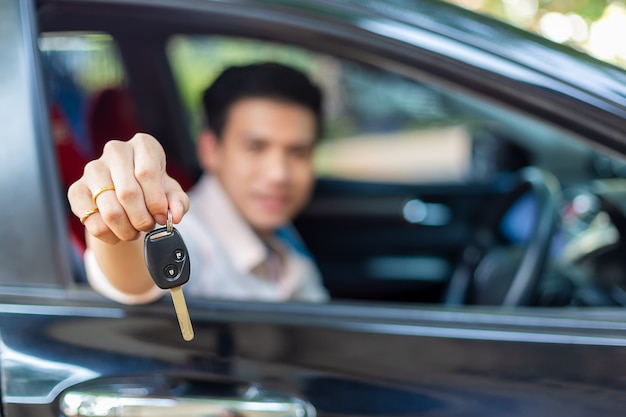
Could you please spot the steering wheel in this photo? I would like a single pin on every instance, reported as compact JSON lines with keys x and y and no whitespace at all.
{"x":490,"y":274}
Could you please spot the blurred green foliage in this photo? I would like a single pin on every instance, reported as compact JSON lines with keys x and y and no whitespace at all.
{"x":596,"y":27}
{"x":589,"y":9}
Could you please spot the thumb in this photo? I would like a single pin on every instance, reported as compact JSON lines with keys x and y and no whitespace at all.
{"x":177,"y":200}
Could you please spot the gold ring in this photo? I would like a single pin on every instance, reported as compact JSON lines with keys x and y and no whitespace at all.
{"x":101,"y":190}
{"x":88,"y":213}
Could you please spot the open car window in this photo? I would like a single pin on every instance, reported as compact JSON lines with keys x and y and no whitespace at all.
{"x":406,"y":168}
{"x":385,"y":130}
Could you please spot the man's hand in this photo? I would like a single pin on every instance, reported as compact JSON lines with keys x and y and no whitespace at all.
{"x":143,"y":190}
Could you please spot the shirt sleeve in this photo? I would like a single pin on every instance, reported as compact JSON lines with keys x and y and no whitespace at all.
{"x":101,"y":284}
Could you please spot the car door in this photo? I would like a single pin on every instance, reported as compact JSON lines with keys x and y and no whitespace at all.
{"x":66,"y":351}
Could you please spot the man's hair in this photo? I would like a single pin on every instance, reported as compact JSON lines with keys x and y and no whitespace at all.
{"x":266,"y":80}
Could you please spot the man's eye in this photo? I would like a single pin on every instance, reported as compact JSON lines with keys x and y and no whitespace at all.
{"x":255,"y":146}
{"x":301,"y":152}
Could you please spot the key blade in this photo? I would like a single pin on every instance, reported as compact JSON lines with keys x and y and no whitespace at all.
{"x":182,"y":313}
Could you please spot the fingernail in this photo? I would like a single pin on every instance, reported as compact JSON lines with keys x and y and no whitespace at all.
{"x":180,"y":209}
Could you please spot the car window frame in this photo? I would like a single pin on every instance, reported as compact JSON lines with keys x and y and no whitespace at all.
{"x":34,"y":235}
{"x":403,"y":65}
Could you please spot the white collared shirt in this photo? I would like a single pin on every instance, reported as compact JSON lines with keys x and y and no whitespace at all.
{"x":226,"y":256}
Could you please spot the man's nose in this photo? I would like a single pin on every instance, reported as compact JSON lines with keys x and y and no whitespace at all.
{"x":278,"y":169}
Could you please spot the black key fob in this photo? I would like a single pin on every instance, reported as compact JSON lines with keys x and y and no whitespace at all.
{"x":167,"y":258}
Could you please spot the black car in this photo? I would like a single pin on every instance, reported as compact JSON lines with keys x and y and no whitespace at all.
{"x":469,"y":217}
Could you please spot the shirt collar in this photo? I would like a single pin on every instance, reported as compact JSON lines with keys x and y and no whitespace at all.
{"x":244,"y":246}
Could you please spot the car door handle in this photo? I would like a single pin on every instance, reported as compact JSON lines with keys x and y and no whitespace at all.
{"x":254,"y":402}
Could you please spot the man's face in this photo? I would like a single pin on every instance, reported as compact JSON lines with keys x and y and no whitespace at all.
{"x":263,"y":160}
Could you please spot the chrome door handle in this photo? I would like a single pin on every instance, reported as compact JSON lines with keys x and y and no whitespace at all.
{"x":253,"y":403}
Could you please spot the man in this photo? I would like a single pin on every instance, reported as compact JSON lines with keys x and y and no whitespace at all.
{"x":262,"y":124}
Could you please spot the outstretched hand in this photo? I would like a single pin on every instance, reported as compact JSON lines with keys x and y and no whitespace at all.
{"x":141,"y":194}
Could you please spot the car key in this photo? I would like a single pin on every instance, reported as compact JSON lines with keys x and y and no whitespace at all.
{"x":167,"y":260}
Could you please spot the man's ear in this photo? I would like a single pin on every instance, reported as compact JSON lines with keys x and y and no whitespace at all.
{"x":207,"y":149}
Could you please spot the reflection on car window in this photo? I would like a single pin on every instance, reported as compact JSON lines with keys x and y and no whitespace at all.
{"x":380,"y":126}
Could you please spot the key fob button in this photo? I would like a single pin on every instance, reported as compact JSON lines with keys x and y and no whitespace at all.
{"x":171,"y":271}
{"x":179,"y":255}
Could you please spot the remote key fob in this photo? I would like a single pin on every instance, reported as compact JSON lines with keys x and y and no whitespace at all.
{"x":167,"y":260}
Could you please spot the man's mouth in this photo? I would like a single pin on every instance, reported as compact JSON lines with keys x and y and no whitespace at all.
{"x":272,"y":203}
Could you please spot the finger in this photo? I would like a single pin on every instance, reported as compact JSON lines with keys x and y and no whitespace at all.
{"x":129,"y":195}
{"x":111,"y":211}
{"x":149,"y":171}
{"x":79,"y":196}
{"x":178,"y":200}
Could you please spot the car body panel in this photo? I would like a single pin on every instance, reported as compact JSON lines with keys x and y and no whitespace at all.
{"x":344,"y":358}
{"x":430,"y":361}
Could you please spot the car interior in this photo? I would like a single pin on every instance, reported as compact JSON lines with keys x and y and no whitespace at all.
{"x":425,"y":193}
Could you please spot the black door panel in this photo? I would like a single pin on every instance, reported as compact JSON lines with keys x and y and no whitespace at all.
{"x":366,"y":247}
{"x":344,"y":361}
